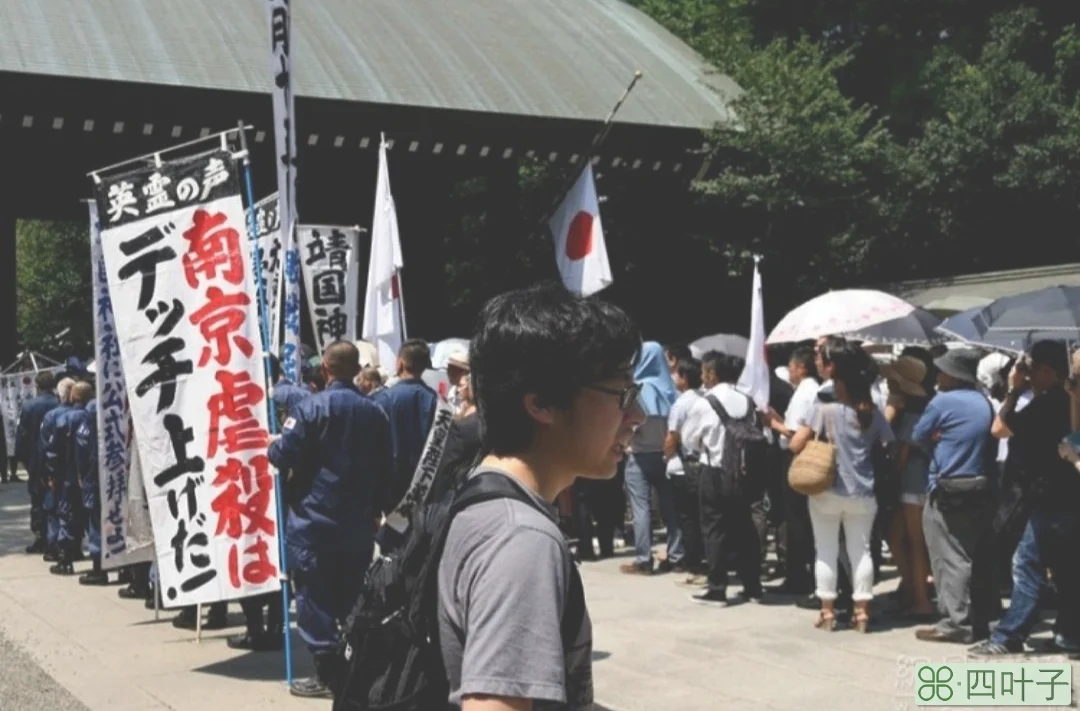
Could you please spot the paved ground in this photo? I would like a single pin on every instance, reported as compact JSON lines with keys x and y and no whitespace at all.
{"x":66,"y":647}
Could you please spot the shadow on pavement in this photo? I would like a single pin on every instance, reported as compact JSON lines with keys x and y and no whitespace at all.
{"x":263,"y":666}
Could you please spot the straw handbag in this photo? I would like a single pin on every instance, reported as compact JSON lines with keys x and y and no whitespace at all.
{"x":814,"y":469}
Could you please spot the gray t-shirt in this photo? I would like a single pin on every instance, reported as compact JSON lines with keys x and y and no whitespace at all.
{"x":854,"y":446}
{"x":503,"y":584}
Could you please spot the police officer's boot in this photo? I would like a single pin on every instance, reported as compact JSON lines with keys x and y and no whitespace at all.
{"x":52,"y":553}
{"x":97,"y":576}
{"x":320,"y":685}
{"x":37,"y":547}
{"x":63,"y":564}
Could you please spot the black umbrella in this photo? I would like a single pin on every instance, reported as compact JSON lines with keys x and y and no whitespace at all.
{"x":1014,"y":323}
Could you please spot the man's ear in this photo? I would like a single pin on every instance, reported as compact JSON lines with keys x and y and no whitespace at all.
{"x":538,"y":410}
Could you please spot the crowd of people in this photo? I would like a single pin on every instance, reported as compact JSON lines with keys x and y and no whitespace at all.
{"x":955,"y":461}
{"x":960,"y":461}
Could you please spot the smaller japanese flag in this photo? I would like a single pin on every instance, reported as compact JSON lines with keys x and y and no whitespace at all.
{"x":754,"y":380}
{"x":579,"y":239}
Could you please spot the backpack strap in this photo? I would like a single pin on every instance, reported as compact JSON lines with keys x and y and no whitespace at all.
{"x":490,"y":485}
{"x":722,"y":413}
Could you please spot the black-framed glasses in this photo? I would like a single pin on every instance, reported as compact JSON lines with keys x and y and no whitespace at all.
{"x":627,"y":396}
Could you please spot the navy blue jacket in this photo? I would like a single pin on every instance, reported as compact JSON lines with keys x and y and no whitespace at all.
{"x":28,"y":433}
{"x":337,"y":445}
{"x":286,"y":396}
{"x":410,"y":406}
{"x":82,"y":430}
{"x":51,"y":446}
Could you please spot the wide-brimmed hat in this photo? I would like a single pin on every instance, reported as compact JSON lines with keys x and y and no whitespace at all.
{"x":908,"y":374}
{"x":961,"y":363}
{"x":459,"y":359}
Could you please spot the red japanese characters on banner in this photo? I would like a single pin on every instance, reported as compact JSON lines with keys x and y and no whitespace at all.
{"x":181,"y":276}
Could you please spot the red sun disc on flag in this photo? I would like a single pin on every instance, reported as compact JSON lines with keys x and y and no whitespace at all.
{"x":579,"y":236}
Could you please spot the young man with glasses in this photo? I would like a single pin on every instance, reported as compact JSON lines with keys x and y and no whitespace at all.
{"x":553,"y":380}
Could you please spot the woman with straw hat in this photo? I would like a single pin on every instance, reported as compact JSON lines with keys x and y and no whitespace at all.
{"x":907,"y":400}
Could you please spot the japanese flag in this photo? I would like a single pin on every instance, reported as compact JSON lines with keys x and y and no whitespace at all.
{"x":579,"y":239}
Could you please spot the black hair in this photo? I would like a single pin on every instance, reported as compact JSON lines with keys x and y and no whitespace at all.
{"x":313,"y":377}
{"x":545,"y":341}
{"x":1054,"y":355}
{"x":275,"y":368}
{"x":854,"y":367}
{"x":804,"y":356}
{"x":45,"y":381}
{"x":690,"y":371}
{"x":832,"y":346}
{"x":680,"y":351}
{"x":416,"y":355}
{"x":726,"y":367}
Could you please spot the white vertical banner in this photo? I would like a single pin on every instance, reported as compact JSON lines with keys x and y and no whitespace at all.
{"x":173,"y":239}
{"x":384,"y":308}
{"x":268,"y":237}
{"x":285,"y":151}
{"x":754,"y":380}
{"x":328,"y":260}
{"x":126,"y":536}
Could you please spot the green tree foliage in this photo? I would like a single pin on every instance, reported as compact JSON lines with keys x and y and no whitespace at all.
{"x":53,"y":287}
{"x":888,"y":140}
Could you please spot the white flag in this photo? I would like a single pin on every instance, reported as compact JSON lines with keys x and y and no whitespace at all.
{"x":754,"y":380}
{"x":579,"y":239}
{"x":384,"y":313}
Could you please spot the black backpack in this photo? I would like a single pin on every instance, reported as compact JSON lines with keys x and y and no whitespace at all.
{"x":745,"y":446}
{"x":391,"y":656}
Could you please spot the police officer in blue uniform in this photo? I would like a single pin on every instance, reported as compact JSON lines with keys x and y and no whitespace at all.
{"x":53,"y":465}
{"x":73,"y":456}
{"x":267,"y":636}
{"x":86,"y":466}
{"x":410,"y":406}
{"x":336,"y":446}
{"x":27,"y":437}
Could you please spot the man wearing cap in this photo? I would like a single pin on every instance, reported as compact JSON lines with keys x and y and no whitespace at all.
{"x":956,"y":425}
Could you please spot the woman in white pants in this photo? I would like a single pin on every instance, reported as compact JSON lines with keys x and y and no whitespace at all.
{"x":855,"y":426}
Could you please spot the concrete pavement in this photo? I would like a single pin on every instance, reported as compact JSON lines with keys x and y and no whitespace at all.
{"x":654,"y":649}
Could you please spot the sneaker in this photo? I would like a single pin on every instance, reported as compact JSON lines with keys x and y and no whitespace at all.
{"x":711,"y":597}
{"x":990,"y":648}
{"x":1062,"y":644}
{"x":310,"y":688}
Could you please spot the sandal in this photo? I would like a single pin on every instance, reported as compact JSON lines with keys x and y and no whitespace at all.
{"x":826,"y":621}
{"x":860,"y":622}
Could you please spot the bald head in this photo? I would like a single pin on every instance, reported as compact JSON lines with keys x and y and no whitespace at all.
{"x":81,"y":393}
{"x":341,"y":360}
{"x":63,"y":390}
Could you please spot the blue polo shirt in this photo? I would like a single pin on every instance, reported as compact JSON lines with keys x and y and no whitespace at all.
{"x":963,"y":419}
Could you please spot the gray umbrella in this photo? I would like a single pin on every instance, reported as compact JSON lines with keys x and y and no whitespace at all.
{"x":1014,"y":323}
{"x":917,"y":328}
{"x":729,"y":343}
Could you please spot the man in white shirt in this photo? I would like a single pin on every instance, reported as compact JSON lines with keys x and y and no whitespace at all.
{"x":683,"y":468}
{"x":726,"y":518}
{"x":798,"y":536}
